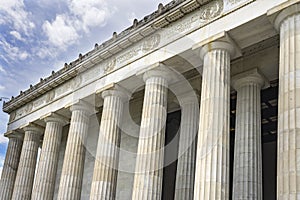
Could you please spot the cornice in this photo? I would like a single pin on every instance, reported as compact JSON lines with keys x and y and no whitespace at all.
{"x":162,"y":17}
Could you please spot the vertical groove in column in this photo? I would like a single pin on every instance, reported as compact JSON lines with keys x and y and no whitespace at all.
{"x":27,"y":165}
{"x":149,"y":164}
{"x":247,"y":175}
{"x":10,"y":167}
{"x":106,"y":163}
{"x":73,"y":165}
{"x":212,"y":166}
{"x":288,"y":166}
{"x":185,"y":174}
{"x":45,"y":178}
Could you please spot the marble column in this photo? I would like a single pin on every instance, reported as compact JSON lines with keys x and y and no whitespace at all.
{"x":212,"y":161}
{"x":149,"y":163}
{"x":46,"y":173}
{"x":247,"y":170}
{"x":27,"y":164}
{"x":10,"y":166}
{"x":185,"y":174}
{"x":73,"y":165}
{"x":106,"y":164}
{"x":288,"y":156}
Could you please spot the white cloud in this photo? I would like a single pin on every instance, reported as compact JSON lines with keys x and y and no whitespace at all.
{"x":1,"y":88}
{"x":17,"y":35}
{"x":97,"y":15}
{"x":16,"y":15}
{"x":2,"y":70}
{"x":3,"y":140}
{"x":13,"y":52}
{"x":61,"y":32}
{"x":1,"y":164}
{"x":68,"y":27}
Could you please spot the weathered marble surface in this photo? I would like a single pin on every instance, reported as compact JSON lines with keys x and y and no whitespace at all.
{"x":247,"y":170}
{"x":73,"y":166}
{"x":149,"y":163}
{"x":46,"y":172}
{"x":26,"y":169}
{"x":10,"y":167}
{"x":107,"y":157}
{"x":185,"y":175}
{"x":212,"y":163}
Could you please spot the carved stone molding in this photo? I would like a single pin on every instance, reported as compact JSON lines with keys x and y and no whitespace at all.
{"x":212,"y":10}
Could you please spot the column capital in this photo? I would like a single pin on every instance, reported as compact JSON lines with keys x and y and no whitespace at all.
{"x":279,"y":13}
{"x":248,"y":77}
{"x":84,"y":106}
{"x":115,"y":89}
{"x":33,"y":127}
{"x":219,"y":41}
{"x":158,"y":70}
{"x":14,"y":134}
{"x":215,"y":45}
{"x":53,"y":117}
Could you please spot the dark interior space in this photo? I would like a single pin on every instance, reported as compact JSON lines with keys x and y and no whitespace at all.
{"x":170,"y":157}
{"x":269,"y":112}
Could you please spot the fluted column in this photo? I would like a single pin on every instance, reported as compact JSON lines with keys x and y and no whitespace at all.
{"x":149,"y":163}
{"x":185,"y":174}
{"x":10,"y":166}
{"x":107,"y":157}
{"x":212,"y":162}
{"x":288,"y":163}
{"x":247,"y":171}
{"x":46,"y":173}
{"x":27,"y":164}
{"x":73,"y":165}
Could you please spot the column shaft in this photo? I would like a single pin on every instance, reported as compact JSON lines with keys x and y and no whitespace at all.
{"x":212,"y":164}
{"x":149,"y":163}
{"x":46,"y":173}
{"x":27,"y":164}
{"x":288,"y":163}
{"x":247,"y":174}
{"x":10,"y":167}
{"x":73,"y":165}
{"x":185,"y":174}
{"x":106,"y":164}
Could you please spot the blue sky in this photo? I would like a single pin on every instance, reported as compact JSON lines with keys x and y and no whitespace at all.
{"x":39,"y":36}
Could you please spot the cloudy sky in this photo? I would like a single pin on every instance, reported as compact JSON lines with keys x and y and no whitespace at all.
{"x":38,"y":36}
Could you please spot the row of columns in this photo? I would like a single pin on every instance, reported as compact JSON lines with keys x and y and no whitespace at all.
{"x":201,"y":176}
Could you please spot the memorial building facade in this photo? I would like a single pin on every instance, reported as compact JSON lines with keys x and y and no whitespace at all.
{"x":198,"y":100}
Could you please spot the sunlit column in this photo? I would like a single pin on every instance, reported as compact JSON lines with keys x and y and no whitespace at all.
{"x":247,"y":170}
{"x":27,"y":164}
{"x":212,"y":162}
{"x":150,"y":155}
{"x":106,"y":164}
{"x":10,"y":166}
{"x":46,"y":173}
{"x":73,"y":165}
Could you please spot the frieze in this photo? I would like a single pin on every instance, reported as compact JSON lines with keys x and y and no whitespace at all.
{"x":233,"y":1}
{"x":203,"y":16}
{"x":210,"y":11}
{"x":92,"y":73}
{"x":50,"y":96}
{"x":40,"y":101}
{"x":183,"y":26}
{"x":128,"y":55}
{"x":151,"y":43}
{"x":24,"y":110}
{"x":110,"y":65}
